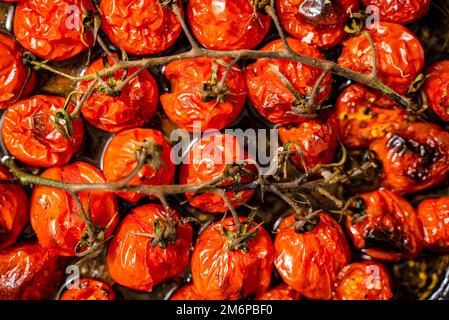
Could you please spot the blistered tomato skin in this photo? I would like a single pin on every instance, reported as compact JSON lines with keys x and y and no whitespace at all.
{"x":51,"y":29}
{"x":208,"y":159}
{"x":31,"y":137}
{"x":185,"y":105}
{"x":140,"y":27}
{"x":310,"y":262}
{"x":221,"y":274}
{"x":227,"y":24}
{"x":280,"y":292}
{"x":29,"y":272}
{"x":363,"y":116}
{"x":434,"y":217}
{"x":322,"y":27}
{"x":413,"y":159}
{"x":132,"y":108}
{"x":188,"y":292}
{"x":89,"y":289}
{"x":400,"y":55}
{"x":134,"y":263}
{"x":390,"y":229}
{"x":56,"y":217}
{"x":269,"y":96}
{"x":400,"y":11}
{"x":436,"y":88}
{"x":120,"y":159}
{"x":366,"y":280}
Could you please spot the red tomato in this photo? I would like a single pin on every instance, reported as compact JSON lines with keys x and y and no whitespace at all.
{"x":309,"y":262}
{"x":363,"y":116}
{"x":316,"y":23}
{"x":436,"y":88}
{"x":29,"y":272}
{"x":434,"y":217}
{"x":389,"y":229}
{"x":271,"y":98}
{"x":120,"y":159}
{"x":187,"y":292}
{"x":221,"y":274}
{"x":280,"y":292}
{"x":400,"y":11}
{"x":188,"y":103}
{"x":140,"y":27}
{"x":134,"y":262}
{"x":56,"y":217}
{"x":52,"y":29}
{"x":227,"y":24}
{"x":89,"y":289}
{"x":208,"y":159}
{"x":400,"y":55}
{"x":317,"y":141}
{"x":30,"y":135}
{"x":132,"y":108}
{"x":14,"y":210}
{"x":415,"y":158}
{"x":366,"y":280}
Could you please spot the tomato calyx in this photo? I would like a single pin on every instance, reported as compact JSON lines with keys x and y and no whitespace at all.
{"x":356,"y":23}
{"x":90,"y":21}
{"x":152,"y":153}
{"x":214,"y":89}
{"x":167,"y":3}
{"x":417,"y":84}
{"x":164,"y":233}
{"x":307,"y":223}
{"x":260,"y":5}
{"x":240,"y":239}
{"x":356,"y":208}
{"x":62,"y":119}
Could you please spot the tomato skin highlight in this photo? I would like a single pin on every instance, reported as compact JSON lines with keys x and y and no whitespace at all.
{"x":187,"y":292}
{"x":433,"y":215}
{"x":89,"y":289}
{"x":400,"y":11}
{"x":436,"y":88}
{"x":280,"y":292}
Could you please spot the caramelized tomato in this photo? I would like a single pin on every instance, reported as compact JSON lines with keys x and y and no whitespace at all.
{"x":280,"y":292}
{"x":89,"y":289}
{"x":400,"y":11}
{"x":436,"y":88}
{"x":434,"y":217}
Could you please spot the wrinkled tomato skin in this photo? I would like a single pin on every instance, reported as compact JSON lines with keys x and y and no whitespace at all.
{"x":413,"y":159}
{"x":400,"y":55}
{"x":89,"y":289}
{"x":208,"y":159}
{"x":363,"y":116}
{"x":269,"y":96}
{"x":367,"y":280}
{"x":310,"y":262}
{"x":390,"y":231}
{"x":31,"y":137}
{"x":434,"y":217}
{"x":55,"y":216}
{"x":134,"y":263}
{"x":119,"y":160}
{"x":140,"y":27}
{"x":280,"y":292}
{"x":436,"y":88}
{"x":187,"y":292}
{"x":135,"y":105}
{"x":52,"y":29}
{"x":221,"y":274}
{"x":14,"y":210}
{"x":317,"y":141}
{"x":400,"y":11}
{"x":228,"y":24}
{"x":29,"y":272}
{"x":323,"y":35}
{"x":184,"y":104}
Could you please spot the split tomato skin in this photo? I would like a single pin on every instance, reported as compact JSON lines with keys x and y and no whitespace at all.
{"x":56,"y":217}
{"x":221,"y":274}
{"x":436,"y":88}
{"x":89,"y":289}
{"x":187,"y":292}
{"x":400,"y":11}
{"x":310,"y":262}
{"x":280,"y":292}
{"x":131,"y":259}
{"x":30,"y":135}
{"x":227,"y":25}
{"x":433,"y":215}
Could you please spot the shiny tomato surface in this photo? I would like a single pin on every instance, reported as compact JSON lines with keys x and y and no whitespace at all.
{"x":400,"y":11}
{"x":187,"y":292}
{"x":280,"y":292}
{"x":434,"y":217}
{"x":436,"y":88}
{"x":89,"y":289}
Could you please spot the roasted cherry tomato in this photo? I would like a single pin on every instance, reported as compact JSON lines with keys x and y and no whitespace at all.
{"x":316,"y":141}
{"x":89,"y":289}
{"x":220,"y":273}
{"x":29,"y":272}
{"x":56,"y":217}
{"x":280,"y":292}
{"x":122,"y":156}
{"x":309,"y":262}
{"x":268,"y":93}
{"x":140,"y":27}
{"x":385,"y":226}
{"x":434,"y":217}
{"x":320,"y":23}
{"x":415,"y":158}
{"x":188,"y":292}
{"x":363,"y":116}
{"x":30,"y":135}
{"x":366,"y":280}
{"x":14,"y":210}
{"x":196,"y":99}
{"x":400,"y":55}
{"x":131,"y":108}
{"x":227,"y":24}
{"x":137,"y":260}
{"x":436,"y":88}
{"x":208,"y":159}
{"x":400,"y":11}
{"x":53,"y":29}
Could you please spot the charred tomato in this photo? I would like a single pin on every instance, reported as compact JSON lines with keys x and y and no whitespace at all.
{"x":436,"y":88}
{"x":280,"y":292}
{"x":434,"y":217}
{"x":89,"y":289}
{"x":399,"y":11}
